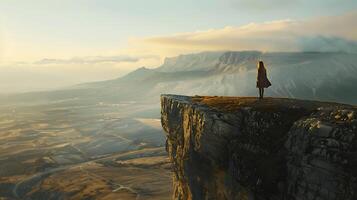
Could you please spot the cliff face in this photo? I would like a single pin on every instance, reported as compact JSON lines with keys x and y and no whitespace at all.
{"x":241,"y":148}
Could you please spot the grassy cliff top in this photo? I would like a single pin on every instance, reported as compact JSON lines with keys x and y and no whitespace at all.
{"x":226,"y":103}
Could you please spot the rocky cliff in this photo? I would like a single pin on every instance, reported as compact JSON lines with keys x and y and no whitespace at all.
{"x":240,"y":148}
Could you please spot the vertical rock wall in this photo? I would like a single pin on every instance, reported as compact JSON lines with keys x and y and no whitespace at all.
{"x":295,"y":150}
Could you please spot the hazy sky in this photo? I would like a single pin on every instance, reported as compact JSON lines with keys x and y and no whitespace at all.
{"x":63,"y":42}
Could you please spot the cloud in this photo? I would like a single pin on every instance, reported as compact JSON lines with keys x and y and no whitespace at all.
{"x":58,"y":73}
{"x":327,"y":44}
{"x":333,"y":33}
{"x":88,"y":60}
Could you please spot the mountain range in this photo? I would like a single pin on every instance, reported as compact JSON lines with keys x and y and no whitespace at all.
{"x":324,"y":76}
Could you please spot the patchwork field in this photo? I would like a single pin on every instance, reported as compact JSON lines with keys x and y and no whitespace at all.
{"x":61,"y":151}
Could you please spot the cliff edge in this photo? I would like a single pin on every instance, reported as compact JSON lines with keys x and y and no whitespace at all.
{"x":229,"y":148}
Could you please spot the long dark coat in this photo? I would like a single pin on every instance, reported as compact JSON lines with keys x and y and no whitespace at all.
{"x":262,"y":79}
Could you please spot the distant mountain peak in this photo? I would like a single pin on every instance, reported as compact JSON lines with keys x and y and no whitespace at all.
{"x":203,"y":61}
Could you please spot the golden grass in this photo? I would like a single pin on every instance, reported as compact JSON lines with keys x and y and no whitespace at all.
{"x":230,"y":104}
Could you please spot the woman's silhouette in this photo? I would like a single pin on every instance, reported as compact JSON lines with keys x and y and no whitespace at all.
{"x":262,"y":79}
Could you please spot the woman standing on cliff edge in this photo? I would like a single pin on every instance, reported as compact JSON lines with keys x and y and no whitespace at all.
{"x":262,"y":79}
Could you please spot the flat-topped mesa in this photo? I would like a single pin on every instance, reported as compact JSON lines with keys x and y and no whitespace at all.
{"x":278,"y":149}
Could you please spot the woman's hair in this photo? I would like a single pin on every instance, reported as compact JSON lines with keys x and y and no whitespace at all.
{"x":261,"y":65}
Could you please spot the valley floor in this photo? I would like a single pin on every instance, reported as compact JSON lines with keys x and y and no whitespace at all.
{"x":81,"y":152}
